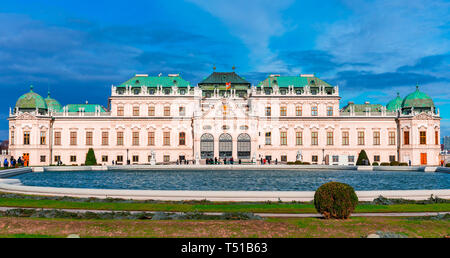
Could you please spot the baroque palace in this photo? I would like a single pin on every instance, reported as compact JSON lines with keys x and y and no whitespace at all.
{"x":163,"y":119}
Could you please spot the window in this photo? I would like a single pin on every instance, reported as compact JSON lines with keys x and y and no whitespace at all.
{"x":73,"y":158}
{"x":43,"y":158}
{"x":182,"y":111}
{"x":360,"y":138}
{"x":120,"y":111}
{"x":136,"y":111}
{"x":166,"y":138}
{"x":406,"y":138}
{"x":151,"y":111}
{"x":167,"y":111}
{"x":376,"y":158}
{"x":26,"y":138}
{"x":391,"y":138}
{"x":376,"y":138}
{"x":151,"y":138}
{"x":268,"y":111}
{"x":298,"y":138}
{"x":119,"y":158}
{"x":345,"y":138}
{"x":73,"y":138}
{"x":335,"y":158}
{"x":298,"y":110}
{"x":283,"y":158}
{"x":88,"y":138}
{"x":135,"y":158}
{"x":314,"y":138}
{"x":268,"y":138}
{"x":423,"y":137}
{"x":315,"y":158}
{"x":166,"y":158}
{"x":436,"y":137}
{"x":57,"y":158}
{"x":392,"y":158}
{"x":104,"y":158}
{"x":314,"y":111}
{"x":135,"y":138}
{"x":105,"y":138}
{"x":283,"y":111}
{"x":43,"y":138}
{"x":120,"y":138}
{"x":283,"y":138}
{"x":329,"y":111}
{"x":351,"y":158}
{"x":330,"y":138}
{"x":57,"y":138}
{"x":182,"y":138}
{"x":12,"y":137}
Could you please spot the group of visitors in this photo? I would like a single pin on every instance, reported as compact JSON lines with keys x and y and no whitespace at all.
{"x":264,"y":161}
{"x":215,"y":161}
{"x":13,"y":162}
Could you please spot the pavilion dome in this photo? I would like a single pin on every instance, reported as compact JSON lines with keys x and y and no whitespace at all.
{"x":52,"y":104}
{"x":417,"y":99}
{"x":395,"y":104}
{"x":31,"y":101}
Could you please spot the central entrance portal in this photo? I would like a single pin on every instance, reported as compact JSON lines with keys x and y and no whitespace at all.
{"x":207,"y":146}
{"x":243,"y":146}
{"x":225,"y":146}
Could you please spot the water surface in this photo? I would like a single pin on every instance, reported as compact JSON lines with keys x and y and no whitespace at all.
{"x":237,"y":180}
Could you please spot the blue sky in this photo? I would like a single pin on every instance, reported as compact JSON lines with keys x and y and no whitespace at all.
{"x":371,"y":49}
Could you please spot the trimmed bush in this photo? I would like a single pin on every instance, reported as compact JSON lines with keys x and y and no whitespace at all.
{"x":375,"y":164}
{"x":335,"y":200}
{"x":90,"y":158}
{"x":362,"y":157}
{"x":447,"y":165}
{"x":385,"y":164}
{"x":403,"y":164}
{"x":394,"y":163}
{"x":306,"y":163}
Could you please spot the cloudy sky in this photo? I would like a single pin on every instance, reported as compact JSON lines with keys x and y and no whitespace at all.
{"x":371,"y":49}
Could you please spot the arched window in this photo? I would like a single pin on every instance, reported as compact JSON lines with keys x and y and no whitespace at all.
{"x":207,"y":146}
{"x":244,"y":146}
{"x":225,"y":146}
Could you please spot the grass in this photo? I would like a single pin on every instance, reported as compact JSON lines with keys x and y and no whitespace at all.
{"x":214,"y":206}
{"x":274,"y":227}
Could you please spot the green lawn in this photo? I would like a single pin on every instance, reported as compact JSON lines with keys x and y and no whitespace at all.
{"x":356,"y":227}
{"x":214,"y":206}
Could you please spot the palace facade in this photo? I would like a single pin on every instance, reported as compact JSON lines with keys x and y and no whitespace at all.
{"x":162,"y":119}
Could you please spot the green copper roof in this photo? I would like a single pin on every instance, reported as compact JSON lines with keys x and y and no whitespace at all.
{"x":154,"y":81}
{"x":224,"y":77}
{"x":296,"y":81}
{"x":395,"y":104}
{"x":31,"y":100}
{"x":52,"y":104}
{"x":417,"y":99}
{"x":90,"y":108}
{"x":363,"y":107}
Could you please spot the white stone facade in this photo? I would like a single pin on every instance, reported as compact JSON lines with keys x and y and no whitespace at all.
{"x":172,"y":126}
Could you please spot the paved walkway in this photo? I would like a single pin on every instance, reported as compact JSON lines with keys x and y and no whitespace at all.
{"x":268,"y":215}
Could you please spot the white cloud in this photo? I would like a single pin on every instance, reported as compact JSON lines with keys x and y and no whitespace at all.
{"x":390,"y":33}
{"x":254,"y":22}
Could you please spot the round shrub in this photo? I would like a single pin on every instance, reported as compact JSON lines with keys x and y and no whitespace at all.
{"x":447,"y":165}
{"x":385,"y":164}
{"x":394,"y":163}
{"x":403,"y":164}
{"x":335,"y":200}
{"x":375,"y":164}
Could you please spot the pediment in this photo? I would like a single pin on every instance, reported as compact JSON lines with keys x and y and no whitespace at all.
{"x":25,"y":116}
{"x":423,"y":116}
